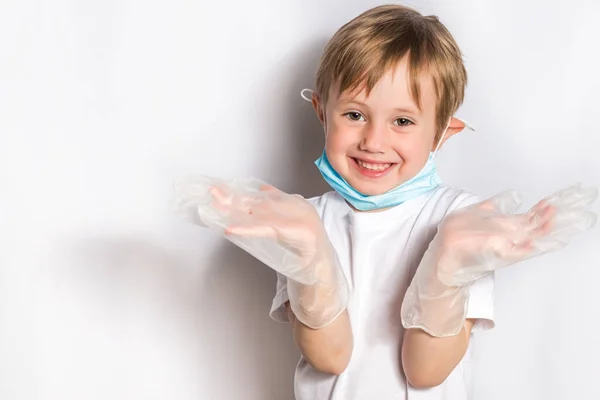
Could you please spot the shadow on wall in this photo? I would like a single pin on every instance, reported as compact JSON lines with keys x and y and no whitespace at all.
{"x":269,"y":352}
{"x":215,"y":310}
{"x":221,"y":301}
{"x":306,"y":132}
{"x":286,"y":113}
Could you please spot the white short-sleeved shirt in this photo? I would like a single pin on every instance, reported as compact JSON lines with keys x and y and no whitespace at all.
{"x":379,"y":253}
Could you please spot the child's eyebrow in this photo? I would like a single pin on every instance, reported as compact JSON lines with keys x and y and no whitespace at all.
{"x":355,"y":102}
{"x":407,"y":110}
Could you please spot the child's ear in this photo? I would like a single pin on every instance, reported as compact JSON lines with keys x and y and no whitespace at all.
{"x":318,"y":106}
{"x":456,"y":125}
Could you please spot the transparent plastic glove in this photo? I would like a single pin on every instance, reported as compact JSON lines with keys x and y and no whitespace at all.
{"x":474,"y":241}
{"x":283,"y":231}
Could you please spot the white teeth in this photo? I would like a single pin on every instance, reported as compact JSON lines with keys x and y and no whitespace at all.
{"x":374,"y":167}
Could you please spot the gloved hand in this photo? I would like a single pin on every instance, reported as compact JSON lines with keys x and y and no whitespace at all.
{"x":281,"y":230}
{"x":474,"y":241}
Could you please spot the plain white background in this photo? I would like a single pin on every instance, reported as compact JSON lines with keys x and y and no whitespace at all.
{"x":106,"y":294}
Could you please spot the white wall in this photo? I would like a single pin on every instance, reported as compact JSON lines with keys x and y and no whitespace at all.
{"x":105,"y":294}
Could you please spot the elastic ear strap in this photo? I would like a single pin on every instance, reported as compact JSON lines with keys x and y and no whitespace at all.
{"x":467,"y":125}
{"x":304,"y":96}
{"x":442,"y":137}
{"x":309,"y":99}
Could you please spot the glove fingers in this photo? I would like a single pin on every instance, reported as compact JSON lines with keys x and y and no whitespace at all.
{"x":567,"y":223}
{"x":572,"y":197}
{"x":190,"y":194}
{"x":506,"y":202}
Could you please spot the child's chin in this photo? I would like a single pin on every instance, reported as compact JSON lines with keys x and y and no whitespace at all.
{"x":374,"y":189}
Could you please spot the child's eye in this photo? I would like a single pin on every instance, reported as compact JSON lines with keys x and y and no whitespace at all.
{"x":403,"y":122}
{"x":354,"y":115}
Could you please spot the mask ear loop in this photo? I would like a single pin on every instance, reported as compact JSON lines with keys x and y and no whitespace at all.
{"x":304,"y":96}
{"x":440,"y":141}
{"x":467,"y":125}
{"x":309,"y":99}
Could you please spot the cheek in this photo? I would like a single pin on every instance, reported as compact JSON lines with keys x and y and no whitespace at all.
{"x":337,"y":140}
{"x":412,"y":148}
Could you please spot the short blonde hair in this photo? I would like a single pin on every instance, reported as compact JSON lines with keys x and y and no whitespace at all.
{"x":365,"y":48}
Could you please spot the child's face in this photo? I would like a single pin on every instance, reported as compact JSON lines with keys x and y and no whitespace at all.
{"x":378,"y":142}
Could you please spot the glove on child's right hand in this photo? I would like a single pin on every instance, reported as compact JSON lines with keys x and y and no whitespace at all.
{"x":283,"y":231}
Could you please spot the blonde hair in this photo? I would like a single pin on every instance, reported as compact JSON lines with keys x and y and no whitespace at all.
{"x":365,"y":48}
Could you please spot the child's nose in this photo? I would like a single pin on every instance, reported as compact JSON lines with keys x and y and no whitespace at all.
{"x":374,"y":139}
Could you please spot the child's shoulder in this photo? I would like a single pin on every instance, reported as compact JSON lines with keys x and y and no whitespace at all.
{"x":329,"y":199}
{"x":452,"y":198}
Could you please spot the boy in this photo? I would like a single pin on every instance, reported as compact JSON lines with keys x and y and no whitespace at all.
{"x":384,"y":279}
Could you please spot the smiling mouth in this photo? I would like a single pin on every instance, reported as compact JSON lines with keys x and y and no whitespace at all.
{"x":377,"y":167}
{"x":373,"y":169}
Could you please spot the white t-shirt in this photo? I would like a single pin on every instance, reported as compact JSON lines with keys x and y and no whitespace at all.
{"x":379,"y":253}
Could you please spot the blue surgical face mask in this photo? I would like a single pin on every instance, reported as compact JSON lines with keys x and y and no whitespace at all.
{"x":424,"y":182}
